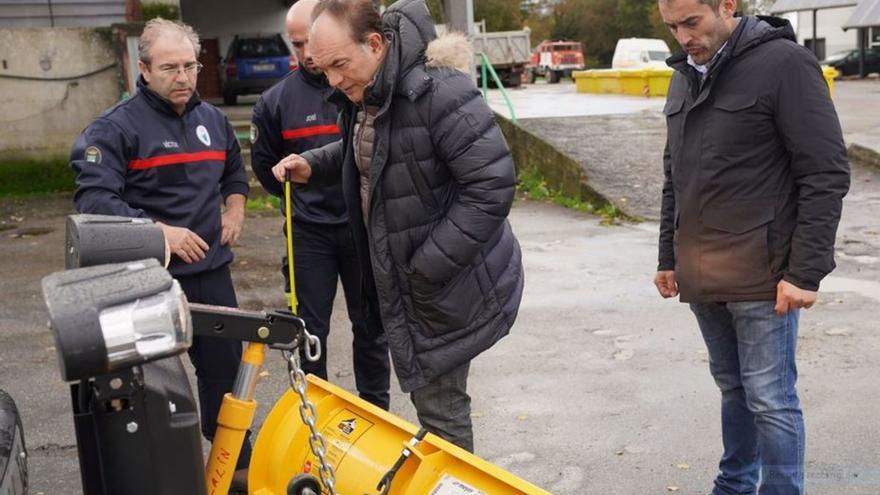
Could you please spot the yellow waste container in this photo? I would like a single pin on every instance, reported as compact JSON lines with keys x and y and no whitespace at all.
{"x":658,"y":81}
{"x":609,"y":81}
{"x":634,"y":82}
{"x":585,"y":81}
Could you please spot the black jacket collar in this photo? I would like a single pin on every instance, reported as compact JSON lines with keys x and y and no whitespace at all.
{"x":161,"y":104}
{"x":318,"y":80}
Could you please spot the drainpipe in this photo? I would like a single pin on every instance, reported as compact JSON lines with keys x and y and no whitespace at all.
{"x":815,"y":46}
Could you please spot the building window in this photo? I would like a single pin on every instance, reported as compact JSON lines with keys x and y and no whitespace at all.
{"x":874,"y":39}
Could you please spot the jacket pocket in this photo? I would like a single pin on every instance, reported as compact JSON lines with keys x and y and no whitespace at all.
{"x":445,"y":308}
{"x":673,"y":105}
{"x":674,"y":123}
{"x":734,"y":126}
{"x":421,"y":183}
{"x":734,"y":254}
{"x":735,"y":102}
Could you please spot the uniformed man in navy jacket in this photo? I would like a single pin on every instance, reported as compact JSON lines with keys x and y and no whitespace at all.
{"x":292,"y":117}
{"x":166,"y":155}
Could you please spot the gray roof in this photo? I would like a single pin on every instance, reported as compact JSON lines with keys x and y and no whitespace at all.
{"x":867,"y":14}
{"x":783,"y":6}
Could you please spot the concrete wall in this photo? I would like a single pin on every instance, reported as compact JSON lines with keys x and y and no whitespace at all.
{"x":828,"y":26}
{"x":224,"y":18}
{"x":44,"y":117}
{"x":561,"y":172}
{"x":68,"y":13}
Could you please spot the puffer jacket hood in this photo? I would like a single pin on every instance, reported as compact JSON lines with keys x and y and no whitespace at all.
{"x":756,"y":30}
{"x":413,"y":26}
{"x":409,"y":29}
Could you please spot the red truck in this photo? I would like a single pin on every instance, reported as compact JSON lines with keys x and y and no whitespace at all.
{"x":555,"y":60}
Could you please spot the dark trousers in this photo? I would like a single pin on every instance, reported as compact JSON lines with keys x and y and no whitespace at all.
{"x":216,"y":360}
{"x":444,"y":407}
{"x":323,"y":254}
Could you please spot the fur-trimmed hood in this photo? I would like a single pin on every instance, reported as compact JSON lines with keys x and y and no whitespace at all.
{"x":412,"y":22}
{"x":413,"y":47}
{"x":451,"y":50}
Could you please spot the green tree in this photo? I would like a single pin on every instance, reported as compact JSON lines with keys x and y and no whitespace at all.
{"x":436,"y":9}
{"x":500,"y":15}
{"x":539,"y":19}
{"x":633,"y":18}
{"x":598,"y":24}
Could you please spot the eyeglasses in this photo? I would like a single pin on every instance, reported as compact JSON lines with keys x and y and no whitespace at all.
{"x":191,"y":69}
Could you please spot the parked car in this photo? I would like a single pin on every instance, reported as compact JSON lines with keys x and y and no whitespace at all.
{"x":253,"y":63}
{"x":556,"y":59}
{"x":847,"y":62}
{"x":640,"y":53}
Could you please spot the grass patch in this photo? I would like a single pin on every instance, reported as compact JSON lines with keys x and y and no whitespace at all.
{"x":532,"y":185}
{"x":263,"y":203}
{"x":20,"y":177}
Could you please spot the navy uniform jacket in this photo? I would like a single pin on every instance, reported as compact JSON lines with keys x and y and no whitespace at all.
{"x":141,"y":159}
{"x":294,"y":116}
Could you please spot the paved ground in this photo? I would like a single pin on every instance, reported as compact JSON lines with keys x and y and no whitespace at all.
{"x":601,"y":388}
{"x":619,"y":139}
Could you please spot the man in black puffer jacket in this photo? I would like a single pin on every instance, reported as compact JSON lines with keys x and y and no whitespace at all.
{"x":428,"y":181}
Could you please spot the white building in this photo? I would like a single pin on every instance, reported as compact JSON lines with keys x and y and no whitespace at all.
{"x":830,"y":17}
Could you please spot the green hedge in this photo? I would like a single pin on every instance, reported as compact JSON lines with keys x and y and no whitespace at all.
{"x":163,"y":10}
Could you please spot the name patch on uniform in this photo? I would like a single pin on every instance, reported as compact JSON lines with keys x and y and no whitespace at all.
{"x":255,"y":133}
{"x":93,"y":154}
{"x":203,"y":135}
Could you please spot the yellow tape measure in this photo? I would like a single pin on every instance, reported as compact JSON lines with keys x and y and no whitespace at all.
{"x":288,"y":211}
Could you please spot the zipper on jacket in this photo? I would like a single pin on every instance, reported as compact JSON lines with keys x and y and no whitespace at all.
{"x":183,"y":134}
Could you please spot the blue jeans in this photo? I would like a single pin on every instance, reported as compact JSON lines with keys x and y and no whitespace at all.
{"x":752,"y":359}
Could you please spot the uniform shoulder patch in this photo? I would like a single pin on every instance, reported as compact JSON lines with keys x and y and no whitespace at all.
{"x":93,"y":154}
{"x":255,"y":133}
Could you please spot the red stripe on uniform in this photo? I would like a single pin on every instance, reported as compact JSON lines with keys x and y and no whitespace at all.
{"x":315,"y":130}
{"x":177,"y":158}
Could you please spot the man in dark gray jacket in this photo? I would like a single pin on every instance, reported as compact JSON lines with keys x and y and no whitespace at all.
{"x":756,"y":171}
{"x":428,"y":182}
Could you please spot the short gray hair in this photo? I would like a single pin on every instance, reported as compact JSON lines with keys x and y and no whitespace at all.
{"x":713,"y":4}
{"x":158,"y":26}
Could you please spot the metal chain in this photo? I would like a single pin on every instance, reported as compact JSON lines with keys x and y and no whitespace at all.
{"x":309,"y":415}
